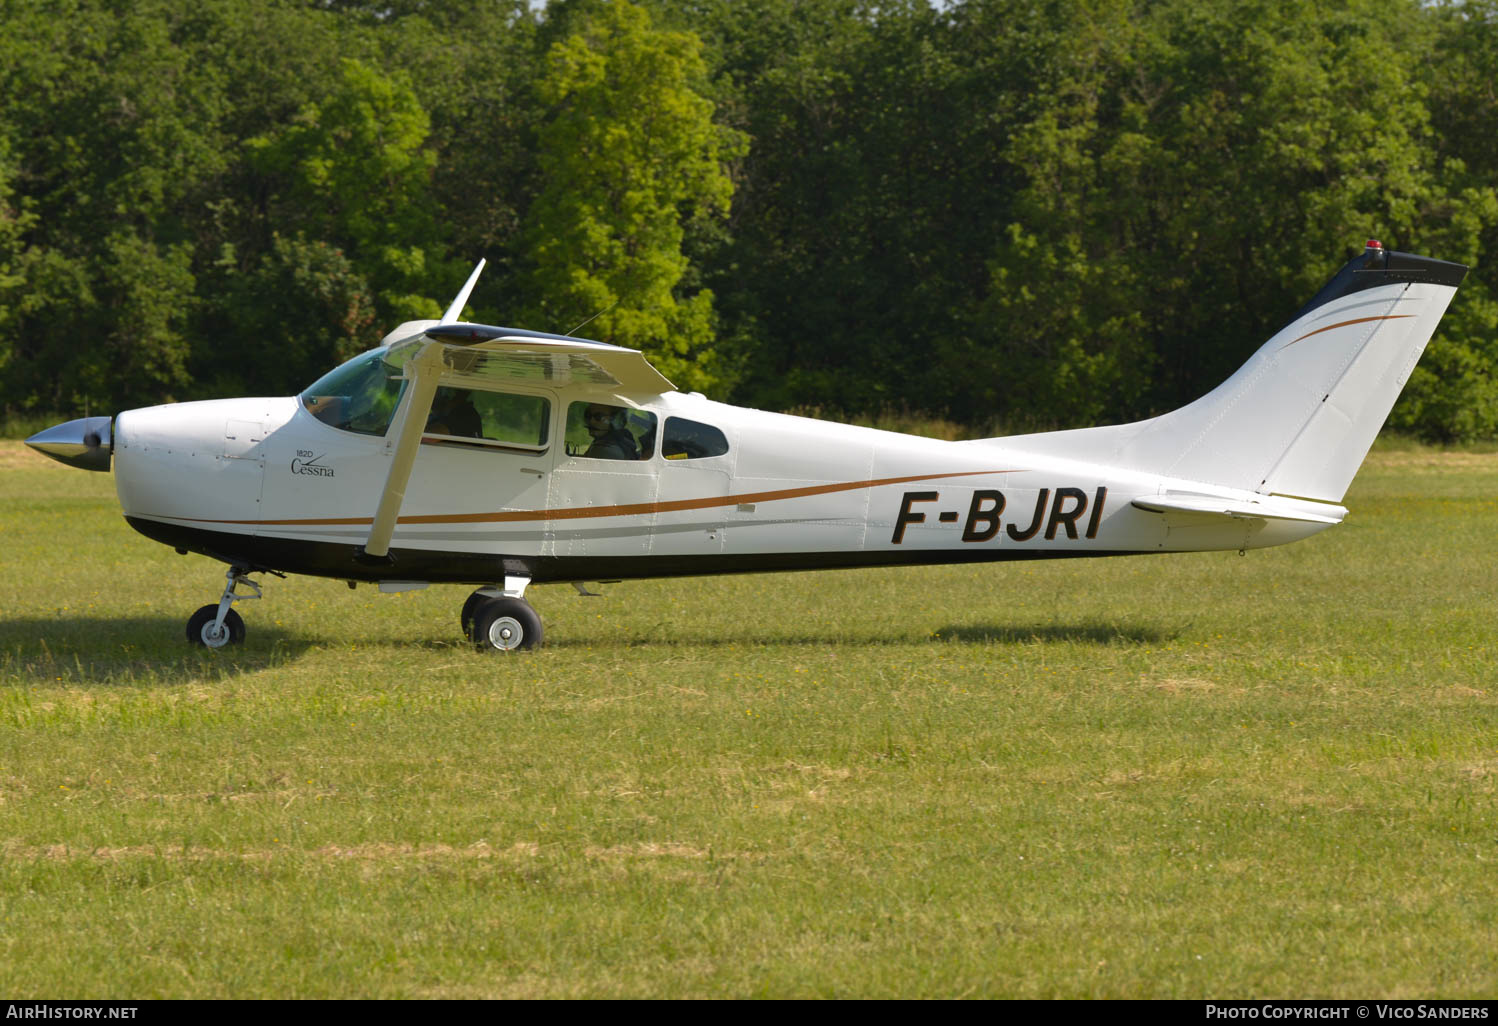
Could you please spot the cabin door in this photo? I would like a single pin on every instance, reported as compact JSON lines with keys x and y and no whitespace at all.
{"x":601,"y":503}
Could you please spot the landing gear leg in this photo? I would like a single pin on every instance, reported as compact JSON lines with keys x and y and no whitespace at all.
{"x":215,"y":626}
{"x":498,"y":619}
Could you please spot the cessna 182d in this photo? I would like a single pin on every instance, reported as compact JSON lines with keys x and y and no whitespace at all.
{"x":463,"y":453}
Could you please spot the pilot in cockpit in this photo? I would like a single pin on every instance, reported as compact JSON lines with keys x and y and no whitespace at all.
{"x":611,"y":441}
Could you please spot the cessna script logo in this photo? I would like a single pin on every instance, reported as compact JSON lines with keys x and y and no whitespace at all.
{"x":306,"y":463}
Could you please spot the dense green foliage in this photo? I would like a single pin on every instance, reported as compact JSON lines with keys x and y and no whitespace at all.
{"x":629,"y":153}
{"x":994,"y":211}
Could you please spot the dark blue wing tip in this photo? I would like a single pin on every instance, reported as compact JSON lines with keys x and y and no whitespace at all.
{"x":468,"y":334}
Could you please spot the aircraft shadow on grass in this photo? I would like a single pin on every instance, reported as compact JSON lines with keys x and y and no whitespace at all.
{"x":1087,"y":633}
{"x":125,"y":650}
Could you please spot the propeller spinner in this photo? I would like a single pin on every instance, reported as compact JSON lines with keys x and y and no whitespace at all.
{"x":85,"y":443}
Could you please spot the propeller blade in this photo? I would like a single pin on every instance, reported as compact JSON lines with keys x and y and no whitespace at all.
{"x":456,"y":310}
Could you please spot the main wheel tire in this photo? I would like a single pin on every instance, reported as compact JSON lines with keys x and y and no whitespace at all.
{"x":200,"y":628}
{"x":505,"y":625}
{"x":469,"y":609}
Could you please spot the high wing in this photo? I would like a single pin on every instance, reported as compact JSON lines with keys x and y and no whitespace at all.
{"x":481,"y":353}
{"x":460,"y":354}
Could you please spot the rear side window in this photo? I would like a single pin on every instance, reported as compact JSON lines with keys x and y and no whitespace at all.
{"x":690,"y":440}
{"x":602,"y":431}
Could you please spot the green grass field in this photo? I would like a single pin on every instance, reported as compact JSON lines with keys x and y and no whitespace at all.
{"x":1177,"y":776}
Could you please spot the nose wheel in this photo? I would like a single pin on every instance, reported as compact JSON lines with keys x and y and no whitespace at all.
{"x":215,"y":626}
{"x":204,"y":629}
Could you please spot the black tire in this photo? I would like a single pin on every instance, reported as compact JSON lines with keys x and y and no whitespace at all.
{"x":470,"y":607}
{"x":506,"y":625}
{"x":201,"y":622}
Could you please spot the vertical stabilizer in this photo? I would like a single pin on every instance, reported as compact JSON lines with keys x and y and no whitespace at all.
{"x":1300,"y":415}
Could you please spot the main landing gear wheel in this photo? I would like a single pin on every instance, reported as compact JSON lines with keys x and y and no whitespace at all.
{"x":201,"y":628}
{"x":505,"y":624}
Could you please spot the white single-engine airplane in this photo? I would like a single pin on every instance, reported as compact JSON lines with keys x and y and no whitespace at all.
{"x":463,"y":453}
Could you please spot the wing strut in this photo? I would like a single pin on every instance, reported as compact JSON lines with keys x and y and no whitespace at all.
{"x":424,"y":369}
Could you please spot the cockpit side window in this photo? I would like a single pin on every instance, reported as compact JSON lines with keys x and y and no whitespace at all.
{"x":360,"y":395}
{"x":508,"y":418}
{"x":690,"y":440}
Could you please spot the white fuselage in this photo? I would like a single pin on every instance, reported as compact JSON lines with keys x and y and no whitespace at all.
{"x":263,"y":483}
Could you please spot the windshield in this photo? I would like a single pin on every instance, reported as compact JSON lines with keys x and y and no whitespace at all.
{"x":360,"y":396}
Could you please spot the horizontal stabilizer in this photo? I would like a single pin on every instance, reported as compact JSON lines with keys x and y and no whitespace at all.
{"x":1240,"y":509}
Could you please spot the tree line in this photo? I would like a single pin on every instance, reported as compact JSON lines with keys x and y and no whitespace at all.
{"x":1017,"y":213}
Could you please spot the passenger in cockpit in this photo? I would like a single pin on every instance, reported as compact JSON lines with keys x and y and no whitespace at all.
{"x":453,"y":413}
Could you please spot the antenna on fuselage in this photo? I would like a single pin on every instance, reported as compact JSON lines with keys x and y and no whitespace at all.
{"x":596,"y":316}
